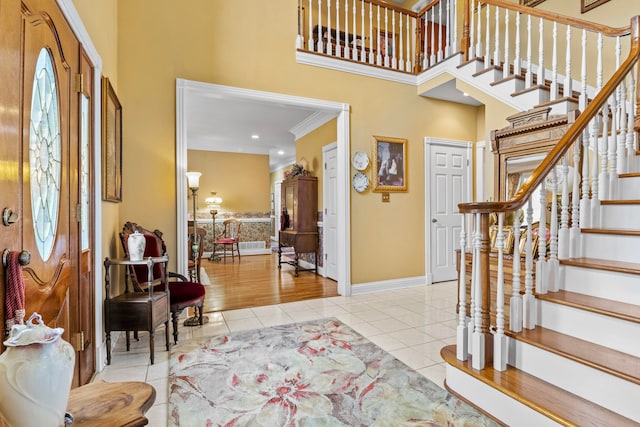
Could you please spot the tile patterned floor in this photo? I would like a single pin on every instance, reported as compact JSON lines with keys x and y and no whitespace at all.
{"x":413,"y":324}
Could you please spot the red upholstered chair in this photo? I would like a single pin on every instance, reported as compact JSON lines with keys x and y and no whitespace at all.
{"x":229,"y":239}
{"x":182,"y":292}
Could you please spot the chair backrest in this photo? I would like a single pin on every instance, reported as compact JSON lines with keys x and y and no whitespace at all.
{"x":202,"y":234}
{"x":232,"y":228}
{"x":154,"y":246}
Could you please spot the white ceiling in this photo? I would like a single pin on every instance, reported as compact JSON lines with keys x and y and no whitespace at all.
{"x":216,"y":123}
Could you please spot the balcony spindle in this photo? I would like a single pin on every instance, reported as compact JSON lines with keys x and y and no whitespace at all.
{"x":408,"y":65}
{"x":462,"y":334}
{"x":479,"y":31}
{"x":371,"y":45}
{"x":310,"y":42}
{"x":568,"y":81}
{"x":528,"y":78}
{"x":394,"y":52}
{"x":439,"y":43}
{"x":515,"y":302}
{"x":472,"y":34}
{"x":554,"y":64}
{"x":354,"y":46}
{"x":379,"y":55}
{"x":500,"y":340}
{"x":487,"y":37}
{"x":401,"y":59}
{"x":507,"y":45}
{"x":541,"y":76}
{"x":517,"y":62}
{"x":496,"y":47}
{"x":329,"y":38}
{"x":320,"y":44}
{"x":582,"y":102}
{"x":432,"y":57}
{"x":300,"y":37}
{"x":529,"y":301}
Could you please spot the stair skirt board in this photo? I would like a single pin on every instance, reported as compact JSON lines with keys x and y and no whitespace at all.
{"x":614,"y":247}
{"x":601,"y":388}
{"x":611,"y":285}
{"x":499,"y":405}
{"x":603,"y":330}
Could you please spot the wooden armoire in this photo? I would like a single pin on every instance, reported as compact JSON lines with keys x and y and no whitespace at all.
{"x":299,"y":197}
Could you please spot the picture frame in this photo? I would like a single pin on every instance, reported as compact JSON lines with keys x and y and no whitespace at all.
{"x":530,"y":3}
{"x":507,"y":231}
{"x":523,"y":242}
{"x":390,"y":160}
{"x":587,"y":5}
{"x":111,"y":144}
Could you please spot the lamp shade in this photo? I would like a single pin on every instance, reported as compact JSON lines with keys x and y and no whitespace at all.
{"x":213,"y":201}
{"x":193,"y":179}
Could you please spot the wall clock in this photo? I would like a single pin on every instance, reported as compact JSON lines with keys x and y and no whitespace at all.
{"x":360,"y":182}
{"x":360,"y":160}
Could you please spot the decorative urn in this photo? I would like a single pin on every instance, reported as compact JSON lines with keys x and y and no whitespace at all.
{"x":36,"y":371}
{"x":136,"y":244}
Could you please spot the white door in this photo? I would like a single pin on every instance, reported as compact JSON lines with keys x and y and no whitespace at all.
{"x":330,"y":211}
{"x":448,"y":175}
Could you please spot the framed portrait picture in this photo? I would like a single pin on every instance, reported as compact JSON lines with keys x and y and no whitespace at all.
{"x":530,"y":3}
{"x":507,"y":235}
{"x":587,"y":5}
{"x":111,"y":144}
{"x":390,"y":161}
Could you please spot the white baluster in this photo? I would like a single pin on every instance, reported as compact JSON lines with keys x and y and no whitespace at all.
{"x":432,"y":56}
{"x":496,"y":48}
{"x":564,"y":241}
{"x":585,"y":201}
{"x":475,"y":278}
{"x":354,"y":46}
{"x":517,"y":62}
{"x":515,"y":302}
{"x":472,"y":33}
{"x":363,"y":56}
{"x":528,"y":78}
{"x":401,"y":60}
{"x":568,"y":81}
{"x":622,"y":123}
{"x":596,"y":130}
{"x":631,"y":113}
{"x":529,"y":301}
{"x":393,"y":53}
{"x":453,"y":35}
{"x":409,"y":64}
{"x":320,"y":44}
{"x":371,"y":45}
{"x":553,"y":266}
{"x":487,"y":37}
{"x":462,"y":333}
{"x":574,"y":249}
{"x":499,"y":339}
{"x":447,"y":37}
{"x":311,"y":43}
{"x":479,"y":31}
{"x":300,"y":37}
{"x":338,"y":37}
{"x":541,"y":70}
{"x":507,"y":65}
{"x":603,"y":177}
{"x":329,"y":38}
{"x":440,"y":32}
{"x":379,"y":47}
{"x":541,"y":264}
{"x":554,"y":64}
{"x":478,"y":360}
{"x":582,"y":102}
{"x":425,"y":46}
{"x":386,"y":37}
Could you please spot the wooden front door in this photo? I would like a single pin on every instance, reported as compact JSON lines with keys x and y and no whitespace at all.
{"x":46,"y":168}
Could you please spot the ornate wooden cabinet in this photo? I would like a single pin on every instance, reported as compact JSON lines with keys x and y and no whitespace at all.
{"x":299,"y":229}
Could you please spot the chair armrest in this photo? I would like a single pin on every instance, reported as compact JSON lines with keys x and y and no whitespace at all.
{"x":178,"y":276}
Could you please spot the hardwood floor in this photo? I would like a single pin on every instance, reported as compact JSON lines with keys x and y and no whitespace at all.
{"x":256,"y":280}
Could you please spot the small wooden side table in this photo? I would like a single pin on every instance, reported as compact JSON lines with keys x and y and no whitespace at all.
{"x":103,"y":404}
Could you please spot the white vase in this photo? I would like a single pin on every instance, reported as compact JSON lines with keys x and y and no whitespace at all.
{"x":136,"y":244}
{"x":36,"y":371}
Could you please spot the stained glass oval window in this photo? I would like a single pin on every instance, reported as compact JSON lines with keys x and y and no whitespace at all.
{"x":45,"y":155}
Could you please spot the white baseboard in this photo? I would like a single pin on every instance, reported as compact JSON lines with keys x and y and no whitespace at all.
{"x":387,"y":285}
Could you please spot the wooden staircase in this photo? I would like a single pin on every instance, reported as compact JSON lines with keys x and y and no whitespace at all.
{"x":580,"y":366}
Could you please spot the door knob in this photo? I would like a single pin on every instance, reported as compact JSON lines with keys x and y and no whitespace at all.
{"x":23,"y":259}
{"x":434,"y":220}
{"x":9,"y":217}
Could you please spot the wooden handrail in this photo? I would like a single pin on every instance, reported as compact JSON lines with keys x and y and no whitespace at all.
{"x":556,"y":153}
{"x":561,"y":19}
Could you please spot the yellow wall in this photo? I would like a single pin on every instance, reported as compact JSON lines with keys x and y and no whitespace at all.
{"x":241,"y":180}
{"x":252,"y":47}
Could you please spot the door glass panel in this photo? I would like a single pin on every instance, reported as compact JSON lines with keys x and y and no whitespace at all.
{"x":84,"y":171}
{"x":45,"y":155}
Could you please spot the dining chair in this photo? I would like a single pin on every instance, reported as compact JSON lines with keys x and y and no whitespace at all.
{"x":229,"y":239}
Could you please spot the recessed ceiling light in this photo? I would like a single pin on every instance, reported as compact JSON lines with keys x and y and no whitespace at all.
{"x":281,"y":152}
{"x":465,"y":94}
{"x":255,"y":136}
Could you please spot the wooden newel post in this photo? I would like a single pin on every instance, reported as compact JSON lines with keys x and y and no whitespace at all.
{"x":485,"y":249}
{"x":466,"y":31}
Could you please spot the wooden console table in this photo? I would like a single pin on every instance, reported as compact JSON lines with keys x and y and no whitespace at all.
{"x":301,"y":242}
{"x":103,"y":404}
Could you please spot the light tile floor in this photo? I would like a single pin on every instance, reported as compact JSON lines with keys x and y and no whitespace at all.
{"x":413,"y":324}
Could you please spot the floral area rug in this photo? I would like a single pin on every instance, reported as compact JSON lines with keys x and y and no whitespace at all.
{"x":316,"y":373}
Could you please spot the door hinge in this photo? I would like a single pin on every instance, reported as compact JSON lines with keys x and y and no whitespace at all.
{"x":79,"y":83}
{"x":77,"y":341}
{"x":325,"y":257}
{"x":325,"y":165}
{"x":325,"y":211}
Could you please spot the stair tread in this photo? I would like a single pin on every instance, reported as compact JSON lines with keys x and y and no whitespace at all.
{"x":603,"y":264}
{"x":629,"y":175}
{"x":620,"y":202}
{"x":621,"y":310}
{"x":620,"y":231}
{"x":558,"y":404}
{"x":605,"y":359}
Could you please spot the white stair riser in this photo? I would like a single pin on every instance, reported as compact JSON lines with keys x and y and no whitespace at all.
{"x":611,"y":392}
{"x":593,"y":327}
{"x":630,"y":188}
{"x":510,"y":86}
{"x":612,"y":247}
{"x":534,"y":97}
{"x":498,"y":404}
{"x":613,"y":285}
{"x":485,"y":78}
{"x":620,"y":216}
